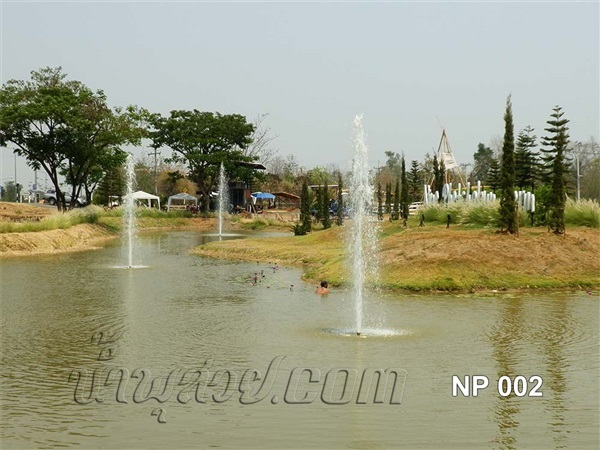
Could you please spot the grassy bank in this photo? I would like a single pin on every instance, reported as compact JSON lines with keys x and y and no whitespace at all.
{"x":23,"y":218}
{"x":56,"y":221}
{"x":435,"y":258}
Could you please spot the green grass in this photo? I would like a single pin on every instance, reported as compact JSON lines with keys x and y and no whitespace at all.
{"x":259,"y":222}
{"x":152,"y":213}
{"x":583,"y":213}
{"x":91,"y":214}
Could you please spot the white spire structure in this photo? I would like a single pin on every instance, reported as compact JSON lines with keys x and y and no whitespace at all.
{"x":444,"y":153}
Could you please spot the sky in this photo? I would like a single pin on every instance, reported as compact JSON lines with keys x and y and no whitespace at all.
{"x":410,"y":68}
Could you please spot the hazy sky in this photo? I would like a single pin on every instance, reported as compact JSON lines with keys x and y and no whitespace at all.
{"x":313,"y":66}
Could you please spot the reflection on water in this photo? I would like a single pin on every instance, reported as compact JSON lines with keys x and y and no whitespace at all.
{"x":70,"y":317}
{"x":506,"y":338}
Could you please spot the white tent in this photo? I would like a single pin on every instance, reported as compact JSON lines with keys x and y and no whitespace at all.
{"x":141,"y":195}
{"x":181,"y":197}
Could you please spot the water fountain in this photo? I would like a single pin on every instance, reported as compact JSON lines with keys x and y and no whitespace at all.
{"x":223,"y":198}
{"x":129,"y":211}
{"x":362,"y":236}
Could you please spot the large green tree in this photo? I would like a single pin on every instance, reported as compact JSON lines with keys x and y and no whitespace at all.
{"x":508,"y":208}
{"x":204,"y":141}
{"x":556,"y":146}
{"x":64,"y":127}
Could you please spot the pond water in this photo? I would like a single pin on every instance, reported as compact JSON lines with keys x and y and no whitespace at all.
{"x":272,"y":365}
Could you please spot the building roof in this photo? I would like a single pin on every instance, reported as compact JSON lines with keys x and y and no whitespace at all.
{"x":286,"y":195}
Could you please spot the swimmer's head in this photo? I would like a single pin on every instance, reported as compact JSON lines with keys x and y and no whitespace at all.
{"x":324,"y":284}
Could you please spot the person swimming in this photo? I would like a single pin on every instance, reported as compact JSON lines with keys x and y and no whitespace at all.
{"x":323,"y":288}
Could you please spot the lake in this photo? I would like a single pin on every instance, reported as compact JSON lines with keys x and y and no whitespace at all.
{"x":269,"y":364}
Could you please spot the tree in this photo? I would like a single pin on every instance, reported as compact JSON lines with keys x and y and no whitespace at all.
{"x":587,"y":156}
{"x":482,"y":159}
{"x":205,"y":140}
{"x":305,"y":218}
{"x":415,"y":182}
{"x":557,"y":129}
{"x":318,"y":204}
{"x":261,"y":146}
{"x":63,"y":127}
{"x":557,"y":143}
{"x":388,"y":198}
{"x":427,"y":172}
{"x":340,"y":202}
{"x":325,"y":207}
{"x":397,"y":199}
{"x":508,"y":207}
{"x":436,"y":174}
{"x":9,"y":192}
{"x":111,"y":187}
{"x":404,"y":197}
{"x":493,"y":177}
{"x":526,"y":159}
{"x":144,"y":176}
{"x":393,"y":163}
{"x":379,"y":202}
{"x":171,"y":181}
{"x":439,"y":172}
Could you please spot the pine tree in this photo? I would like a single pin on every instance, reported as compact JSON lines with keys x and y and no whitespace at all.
{"x":111,"y":187}
{"x":557,"y":144}
{"x":493,"y":176}
{"x":526,"y":160}
{"x":558,"y":127}
{"x":508,"y":207}
{"x":388,"y":198}
{"x":305,"y":218}
{"x":326,"y":217}
{"x":436,"y":173}
{"x":404,"y":197}
{"x":397,"y":200}
{"x":318,"y":206}
{"x":414,"y":182}
{"x":379,"y":201}
{"x":340,"y":202}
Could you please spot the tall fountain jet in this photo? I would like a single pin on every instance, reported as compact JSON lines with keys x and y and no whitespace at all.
{"x":223,"y":198}
{"x":362,"y":234}
{"x":129,"y":211}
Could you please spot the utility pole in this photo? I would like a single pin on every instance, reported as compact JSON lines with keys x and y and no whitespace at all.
{"x":156,"y":153}
{"x":17,"y":184}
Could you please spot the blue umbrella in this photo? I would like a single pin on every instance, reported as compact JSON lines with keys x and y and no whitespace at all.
{"x":263,"y":195}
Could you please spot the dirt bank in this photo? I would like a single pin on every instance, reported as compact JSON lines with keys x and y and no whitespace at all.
{"x":435,"y":258}
{"x":76,"y":238}
{"x":19,"y":212}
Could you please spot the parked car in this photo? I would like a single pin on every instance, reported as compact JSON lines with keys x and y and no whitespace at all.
{"x":50,"y":197}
